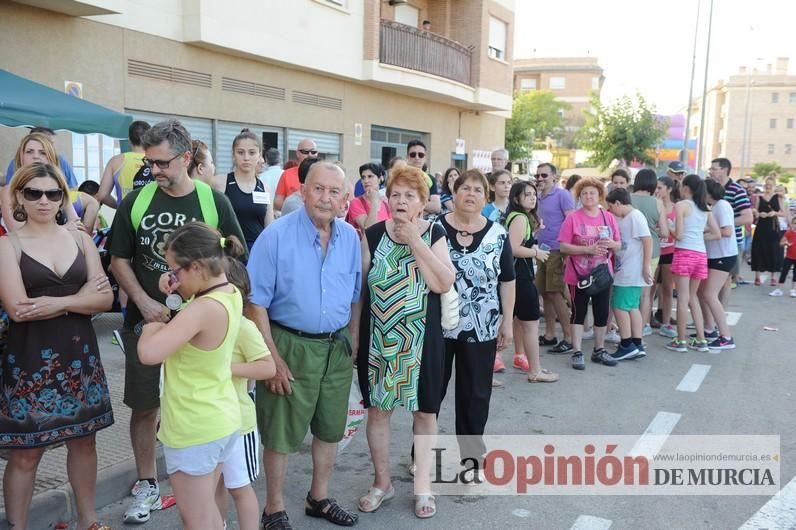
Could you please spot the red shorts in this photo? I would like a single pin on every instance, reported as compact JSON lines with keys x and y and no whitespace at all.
{"x":690,"y":263}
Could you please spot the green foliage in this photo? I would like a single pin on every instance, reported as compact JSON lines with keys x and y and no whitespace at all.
{"x":763,"y":169}
{"x":785,"y":178}
{"x":626,"y":131}
{"x":535,"y":116}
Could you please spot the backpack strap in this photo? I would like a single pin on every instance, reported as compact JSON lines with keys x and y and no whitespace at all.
{"x":515,"y":214}
{"x":206,"y":203}
{"x":141,"y":204}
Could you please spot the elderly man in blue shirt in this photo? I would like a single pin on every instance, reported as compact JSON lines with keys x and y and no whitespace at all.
{"x":306,"y":274}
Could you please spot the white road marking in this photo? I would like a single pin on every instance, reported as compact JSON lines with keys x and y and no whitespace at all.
{"x":693,"y":378}
{"x":519,"y":512}
{"x":733,"y":318}
{"x":589,"y":522}
{"x":655,"y":436}
{"x":778,"y":512}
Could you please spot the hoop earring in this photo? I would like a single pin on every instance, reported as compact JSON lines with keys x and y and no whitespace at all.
{"x":60,"y":218}
{"x":20,"y":215}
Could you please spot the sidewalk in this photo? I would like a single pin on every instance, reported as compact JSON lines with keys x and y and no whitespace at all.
{"x":52,"y":497}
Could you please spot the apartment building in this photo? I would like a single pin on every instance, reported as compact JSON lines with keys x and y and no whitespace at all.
{"x":360,"y":77}
{"x":749,"y":118}
{"x":571,"y":79}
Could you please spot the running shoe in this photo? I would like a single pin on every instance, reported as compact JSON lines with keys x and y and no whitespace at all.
{"x":777,"y":292}
{"x":624,"y":353}
{"x":116,"y":339}
{"x":613,"y":336}
{"x":713,"y":334}
{"x":601,"y":356}
{"x":577,"y":361}
{"x":668,"y":331}
{"x":588,"y":335}
{"x":147,"y":499}
{"x":499,"y":366}
{"x":679,"y":346}
{"x":722,"y":343}
{"x":793,"y":293}
{"x":699,"y":345}
{"x":520,"y":363}
{"x":561,"y":347}
{"x":646,"y":331}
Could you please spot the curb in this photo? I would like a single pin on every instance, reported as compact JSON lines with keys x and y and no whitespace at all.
{"x":55,"y":506}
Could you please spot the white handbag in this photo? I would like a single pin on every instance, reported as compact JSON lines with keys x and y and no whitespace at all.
{"x":450,"y":308}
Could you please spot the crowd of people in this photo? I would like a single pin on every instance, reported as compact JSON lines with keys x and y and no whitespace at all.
{"x":251,"y":299}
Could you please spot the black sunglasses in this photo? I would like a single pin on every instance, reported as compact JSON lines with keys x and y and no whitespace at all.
{"x":542,"y":175}
{"x":32,"y":194}
{"x":162,"y":164}
{"x":312,"y":152}
{"x":417,"y":154}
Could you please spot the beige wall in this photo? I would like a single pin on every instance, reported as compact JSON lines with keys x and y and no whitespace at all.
{"x":25,"y":49}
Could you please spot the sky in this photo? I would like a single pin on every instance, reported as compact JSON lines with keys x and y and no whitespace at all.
{"x":647,"y":46}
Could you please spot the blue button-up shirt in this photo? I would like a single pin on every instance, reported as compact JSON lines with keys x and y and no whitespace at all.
{"x":299,"y":286}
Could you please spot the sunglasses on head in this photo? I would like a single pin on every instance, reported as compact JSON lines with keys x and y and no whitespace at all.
{"x":33,"y":194}
{"x":312,"y":152}
{"x":162,"y":164}
{"x":417,"y":154}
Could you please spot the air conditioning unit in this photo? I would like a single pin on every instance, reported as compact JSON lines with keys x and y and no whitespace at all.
{"x":396,"y":2}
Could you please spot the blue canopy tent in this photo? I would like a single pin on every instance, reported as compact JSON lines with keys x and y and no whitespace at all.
{"x":26,"y":103}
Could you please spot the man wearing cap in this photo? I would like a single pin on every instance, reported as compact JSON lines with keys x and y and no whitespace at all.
{"x":676,"y":171}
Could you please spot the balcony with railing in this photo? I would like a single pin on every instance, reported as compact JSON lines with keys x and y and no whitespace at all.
{"x":423,"y":51}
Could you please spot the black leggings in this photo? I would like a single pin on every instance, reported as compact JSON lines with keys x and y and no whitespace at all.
{"x":600,"y":306}
{"x":786,"y":265}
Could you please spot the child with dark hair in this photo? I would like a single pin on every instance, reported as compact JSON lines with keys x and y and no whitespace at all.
{"x":632,"y":273}
{"x":690,"y":261}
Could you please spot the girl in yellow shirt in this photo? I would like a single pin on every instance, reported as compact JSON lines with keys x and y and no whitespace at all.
{"x":200,"y":414}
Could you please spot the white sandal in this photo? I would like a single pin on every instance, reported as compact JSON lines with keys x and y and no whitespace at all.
{"x":425,"y":500}
{"x":375,"y":498}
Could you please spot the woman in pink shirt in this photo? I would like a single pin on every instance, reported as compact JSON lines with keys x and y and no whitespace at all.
{"x":589,"y":236}
{"x":371,"y":207}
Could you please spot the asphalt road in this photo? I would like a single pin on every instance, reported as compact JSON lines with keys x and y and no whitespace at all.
{"x":749,"y":390}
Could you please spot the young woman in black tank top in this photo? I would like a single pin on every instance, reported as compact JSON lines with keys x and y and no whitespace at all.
{"x":247,"y":193}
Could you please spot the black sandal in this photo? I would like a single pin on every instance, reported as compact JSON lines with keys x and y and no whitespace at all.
{"x":331,"y":511}
{"x":276,"y":521}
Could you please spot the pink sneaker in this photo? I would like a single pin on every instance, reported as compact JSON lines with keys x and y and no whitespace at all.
{"x":499,"y":366}
{"x":521,"y":363}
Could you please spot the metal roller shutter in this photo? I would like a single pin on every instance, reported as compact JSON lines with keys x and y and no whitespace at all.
{"x":200,"y":128}
{"x":328,"y":143}
{"x":226,"y":131}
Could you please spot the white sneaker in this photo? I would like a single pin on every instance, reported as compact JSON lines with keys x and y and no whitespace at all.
{"x":777,"y":292}
{"x":613,"y":337}
{"x":147,"y":498}
{"x":793,"y":293}
{"x":646,"y":331}
{"x":588,"y":335}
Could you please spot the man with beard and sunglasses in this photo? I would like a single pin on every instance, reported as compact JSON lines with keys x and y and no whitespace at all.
{"x":289,"y":181}
{"x":416,"y":157}
{"x":139,"y":233}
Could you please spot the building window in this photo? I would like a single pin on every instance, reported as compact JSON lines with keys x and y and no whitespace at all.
{"x":772,"y":123}
{"x":558,"y":83}
{"x":771,"y":149}
{"x":497,"y":38}
{"x":528,"y":84}
{"x":595,"y":83}
{"x":90,"y":154}
{"x":775,"y":97}
{"x":790,"y":123}
{"x":788,"y":148}
{"x":792,"y":97}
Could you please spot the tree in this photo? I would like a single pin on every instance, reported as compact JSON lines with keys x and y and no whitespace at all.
{"x":535,"y":114}
{"x":626,"y":131}
{"x":764,"y":169}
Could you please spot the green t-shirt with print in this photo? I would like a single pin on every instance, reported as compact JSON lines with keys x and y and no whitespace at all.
{"x":144,"y":248}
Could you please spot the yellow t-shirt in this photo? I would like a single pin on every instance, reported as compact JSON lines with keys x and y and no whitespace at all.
{"x":249,"y":347}
{"x":199,"y":401}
